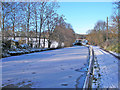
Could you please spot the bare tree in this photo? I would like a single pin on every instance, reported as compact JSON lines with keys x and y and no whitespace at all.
{"x":63,"y":33}
{"x":51,"y":23}
{"x":42,"y":18}
{"x":100,"y":25}
{"x":5,"y":13}
{"x":36,"y":25}
{"x":28,"y":21}
{"x":14,"y":11}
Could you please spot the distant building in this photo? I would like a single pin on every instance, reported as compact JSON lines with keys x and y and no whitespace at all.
{"x":32,"y":41}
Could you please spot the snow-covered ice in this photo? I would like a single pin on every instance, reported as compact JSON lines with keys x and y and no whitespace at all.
{"x":108,"y":65}
{"x":61,"y":68}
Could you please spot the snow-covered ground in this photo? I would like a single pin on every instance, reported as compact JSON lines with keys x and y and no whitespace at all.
{"x":61,"y":68}
{"x":114,"y":53}
{"x":108,"y":65}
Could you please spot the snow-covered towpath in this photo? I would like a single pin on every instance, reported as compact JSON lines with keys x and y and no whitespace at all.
{"x":62,"y":68}
{"x":108,"y":65}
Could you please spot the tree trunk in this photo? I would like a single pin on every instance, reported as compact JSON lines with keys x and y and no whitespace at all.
{"x":49,"y":43}
{"x":28,"y":24}
{"x":36,"y":23}
{"x":40,"y":30}
{"x":44,"y":39}
{"x":14,"y":26}
{"x":40,"y":34}
{"x":14,"y":30}
{"x":3,"y":30}
{"x":3,"y":27}
{"x":36,"y":31}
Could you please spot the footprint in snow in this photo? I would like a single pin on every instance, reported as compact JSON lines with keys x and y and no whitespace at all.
{"x":71,"y":68}
{"x":9,"y":80}
{"x":78,"y":70}
{"x":69,"y":76}
{"x":62,"y":69}
{"x":64,"y":84}
{"x":33,"y":72}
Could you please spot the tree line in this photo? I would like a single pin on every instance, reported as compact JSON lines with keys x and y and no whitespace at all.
{"x":106,"y":33}
{"x":35,"y":19}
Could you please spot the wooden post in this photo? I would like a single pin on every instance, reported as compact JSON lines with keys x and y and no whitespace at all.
{"x":119,"y":27}
{"x":119,"y":20}
{"x":107,"y":30}
{"x":28,"y":21}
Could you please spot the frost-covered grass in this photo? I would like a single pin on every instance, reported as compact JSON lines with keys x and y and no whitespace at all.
{"x":61,"y":68}
{"x":114,"y":47}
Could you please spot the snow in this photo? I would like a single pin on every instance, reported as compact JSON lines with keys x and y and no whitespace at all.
{"x":25,"y":51}
{"x":14,"y":40}
{"x":20,"y":52}
{"x":114,"y":53}
{"x":12,"y":52}
{"x":36,"y":49}
{"x":108,"y":65}
{"x":5,"y":54}
{"x":61,"y":68}
{"x":0,"y":73}
{"x":24,"y":46}
{"x":54,"y":44}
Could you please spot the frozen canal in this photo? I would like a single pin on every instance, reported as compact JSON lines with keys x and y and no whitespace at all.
{"x":61,"y":68}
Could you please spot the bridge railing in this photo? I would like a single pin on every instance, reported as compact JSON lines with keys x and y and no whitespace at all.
{"x":89,"y":77}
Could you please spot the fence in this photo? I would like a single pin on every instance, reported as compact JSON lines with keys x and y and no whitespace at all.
{"x":89,"y":77}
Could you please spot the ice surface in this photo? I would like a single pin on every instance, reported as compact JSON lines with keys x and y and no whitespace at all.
{"x":48,"y":69}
